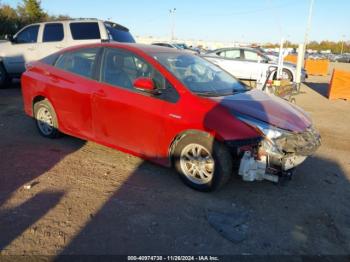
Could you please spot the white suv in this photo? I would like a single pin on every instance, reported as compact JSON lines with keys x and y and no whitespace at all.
{"x":36,"y":41}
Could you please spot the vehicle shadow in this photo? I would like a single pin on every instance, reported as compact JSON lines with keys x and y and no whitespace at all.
{"x":151,"y":212}
{"x":321,"y":88}
{"x":25,"y":158}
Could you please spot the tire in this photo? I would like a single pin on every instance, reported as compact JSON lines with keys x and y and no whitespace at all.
{"x":286,"y":71}
{"x":220,"y":166}
{"x":46,"y":119}
{"x":4,"y":78}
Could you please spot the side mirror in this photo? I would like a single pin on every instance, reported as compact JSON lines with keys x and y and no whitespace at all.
{"x":9,"y":38}
{"x":145,"y":84}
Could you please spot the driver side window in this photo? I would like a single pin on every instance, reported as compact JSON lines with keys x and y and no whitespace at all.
{"x":28,"y":35}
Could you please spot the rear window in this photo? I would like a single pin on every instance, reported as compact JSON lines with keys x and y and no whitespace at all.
{"x":85,"y":31}
{"x":119,"y":33}
{"x":53,"y":33}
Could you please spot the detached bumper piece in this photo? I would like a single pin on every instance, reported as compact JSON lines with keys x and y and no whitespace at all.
{"x":275,"y":159}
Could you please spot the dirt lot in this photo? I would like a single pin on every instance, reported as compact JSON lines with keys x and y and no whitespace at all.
{"x":89,"y":199}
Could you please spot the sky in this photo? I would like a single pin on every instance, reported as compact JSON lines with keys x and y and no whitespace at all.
{"x":258,"y":21}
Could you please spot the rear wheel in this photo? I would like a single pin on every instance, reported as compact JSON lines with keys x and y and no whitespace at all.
{"x":46,"y":119}
{"x":203,"y":163}
{"x":286,"y":75}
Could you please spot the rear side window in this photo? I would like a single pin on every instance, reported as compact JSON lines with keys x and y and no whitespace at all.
{"x":79,"y":62}
{"x":51,"y":59}
{"x":53,"y":33}
{"x":85,"y":31}
{"x":28,"y":35}
{"x":233,"y":54}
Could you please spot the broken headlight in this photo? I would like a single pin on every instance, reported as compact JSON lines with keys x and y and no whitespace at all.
{"x":268,"y":131}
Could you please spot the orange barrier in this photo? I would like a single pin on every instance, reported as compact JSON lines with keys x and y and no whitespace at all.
{"x":317,"y":67}
{"x":339,"y":87}
{"x":291,"y":58}
{"x":313,"y":67}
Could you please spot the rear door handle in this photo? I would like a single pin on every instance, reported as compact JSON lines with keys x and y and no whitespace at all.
{"x":31,"y":48}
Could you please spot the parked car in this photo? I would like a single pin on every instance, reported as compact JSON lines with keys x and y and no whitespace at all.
{"x":249,"y":63}
{"x":273,"y":56}
{"x":176,"y":46}
{"x":344,"y":58}
{"x":36,"y":41}
{"x":169,"y":107}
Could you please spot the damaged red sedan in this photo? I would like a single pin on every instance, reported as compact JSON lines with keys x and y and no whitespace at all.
{"x":169,"y":107}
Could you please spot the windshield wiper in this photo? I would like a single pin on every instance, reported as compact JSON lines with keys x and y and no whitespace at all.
{"x":220,"y":94}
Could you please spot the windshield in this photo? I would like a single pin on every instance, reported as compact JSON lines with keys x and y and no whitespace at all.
{"x":119,"y":34}
{"x":199,"y":75}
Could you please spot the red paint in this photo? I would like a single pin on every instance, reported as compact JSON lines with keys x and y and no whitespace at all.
{"x":129,"y":121}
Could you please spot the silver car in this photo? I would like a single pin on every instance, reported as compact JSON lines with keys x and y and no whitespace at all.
{"x":249,"y":63}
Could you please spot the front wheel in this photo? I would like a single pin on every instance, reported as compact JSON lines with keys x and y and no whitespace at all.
{"x":203,"y":163}
{"x":46,"y":119}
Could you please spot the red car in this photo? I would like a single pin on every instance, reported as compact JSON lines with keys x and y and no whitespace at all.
{"x":169,"y":107}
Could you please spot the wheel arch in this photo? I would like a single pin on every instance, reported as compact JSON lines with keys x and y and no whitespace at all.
{"x":292,"y":72}
{"x":189,"y":132}
{"x":40,"y":97}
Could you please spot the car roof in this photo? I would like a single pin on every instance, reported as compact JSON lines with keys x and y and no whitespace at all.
{"x":148,"y":49}
{"x":231,"y":48}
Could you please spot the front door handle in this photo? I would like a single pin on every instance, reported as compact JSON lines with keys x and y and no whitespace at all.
{"x":31,"y":48}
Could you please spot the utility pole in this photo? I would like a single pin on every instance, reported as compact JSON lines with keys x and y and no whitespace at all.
{"x":302,"y":47}
{"x":308,"y":26}
{"x":172,"y":18}
{"x":342,"y":44}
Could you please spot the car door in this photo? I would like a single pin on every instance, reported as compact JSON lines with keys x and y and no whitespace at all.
{"x":23,"y":49}
{"x":253,"y":64}
{"x":70,"y":85}
{"x":231,"y":62}
{"x":53,"y":39}
{"x":123,"y":116}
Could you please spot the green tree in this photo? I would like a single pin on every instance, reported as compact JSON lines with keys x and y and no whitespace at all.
{"x":9,"y":21}
{"x":31,"y":11}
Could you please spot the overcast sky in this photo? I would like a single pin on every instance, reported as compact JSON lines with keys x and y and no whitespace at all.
{"x":219,"y":20}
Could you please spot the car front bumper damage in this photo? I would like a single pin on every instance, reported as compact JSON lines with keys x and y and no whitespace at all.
{"x":273,"y":159}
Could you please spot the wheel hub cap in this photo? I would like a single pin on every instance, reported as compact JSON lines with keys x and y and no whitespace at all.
{"x":44,"y":120}
{"x":197,"y":164}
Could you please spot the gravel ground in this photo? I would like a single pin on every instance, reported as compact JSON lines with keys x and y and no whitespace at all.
{"x":68,"y":196}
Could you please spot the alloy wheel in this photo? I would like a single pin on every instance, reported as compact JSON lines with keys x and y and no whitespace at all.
{"x":45,"y":121}
{"x":197,"y":164}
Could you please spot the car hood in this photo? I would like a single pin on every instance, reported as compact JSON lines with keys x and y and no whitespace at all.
{"x":270,"y":109}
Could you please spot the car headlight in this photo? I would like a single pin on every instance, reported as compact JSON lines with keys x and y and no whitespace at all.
{"x":268,"y":131}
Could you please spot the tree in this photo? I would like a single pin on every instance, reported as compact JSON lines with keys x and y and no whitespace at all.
{"x":9,"y":21}
{"x":32,"y":11}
